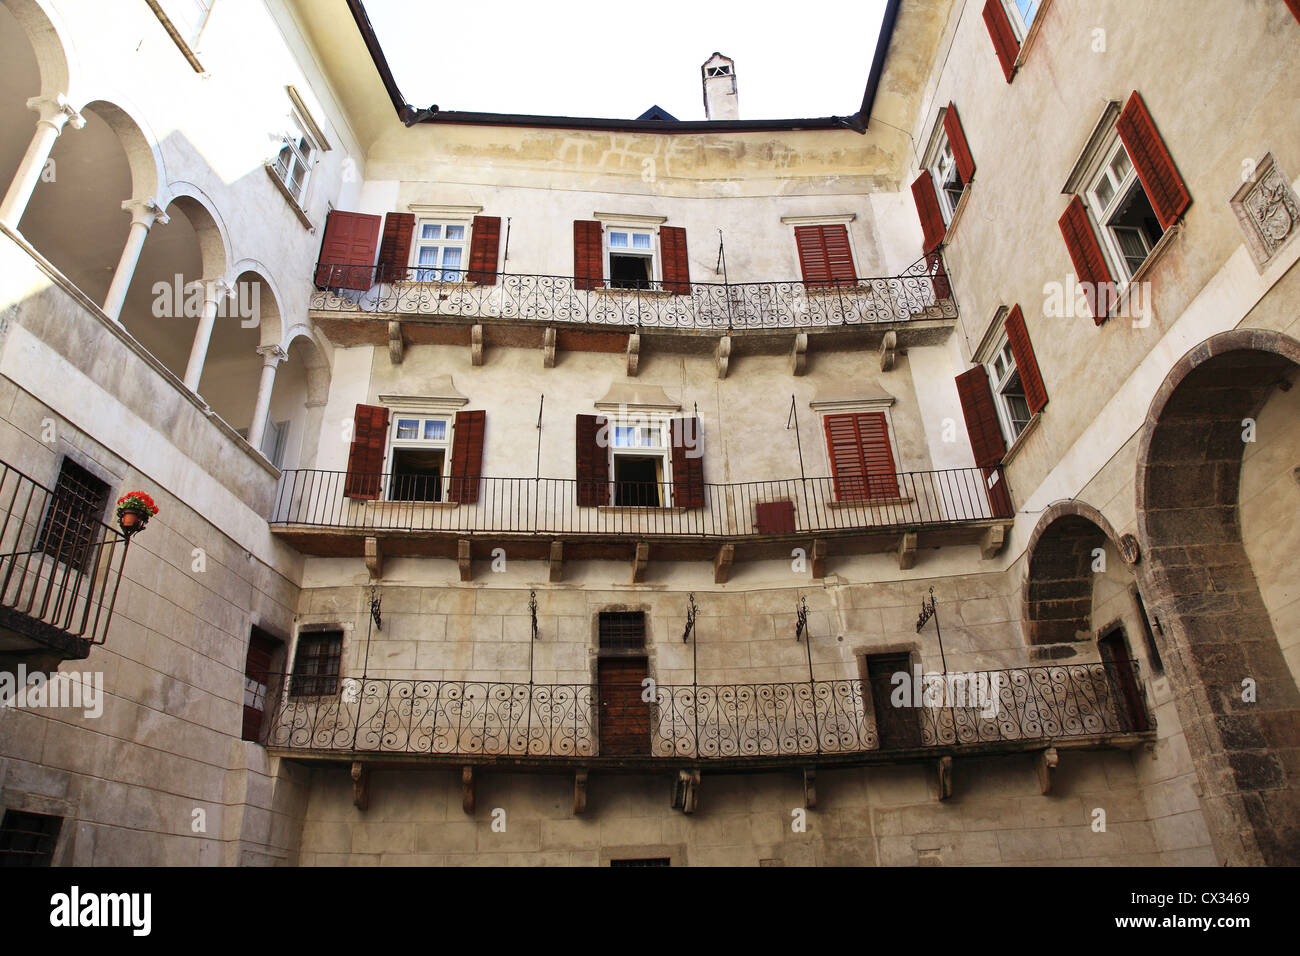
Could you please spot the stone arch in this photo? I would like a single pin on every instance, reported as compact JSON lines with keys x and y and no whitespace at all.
{"x":140,"y":145}
{"x":1214,"y":630}
{"x":214,"y":242}
{"x":49,"y":43}
{"x":270,"y":316}
{"x":302,"y":340}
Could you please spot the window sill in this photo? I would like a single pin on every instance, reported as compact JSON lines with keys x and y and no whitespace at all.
{"x":640,"y":510}
{"x":650,"y":293}
{"x":1021,"y":439}
{"x":867,"y":503}
{"x":425,"y":505}
{"x":1031,"y":34}
{"x":956,"y":213}
{"x":440,"y":284}
{"x":288,"y":197}
{"x":1120,"y":308}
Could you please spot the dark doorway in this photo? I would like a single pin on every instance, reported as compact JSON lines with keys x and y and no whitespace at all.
{"x":624,"y":716}
{"x":636,"y":481}
{"x":1122,"y":678}
{"x":896,"y":727}
{"x":262,"y":648}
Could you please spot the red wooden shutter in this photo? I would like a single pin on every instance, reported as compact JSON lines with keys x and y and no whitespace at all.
{"x":257,"y":668}
{"x":774,"y":517}
{"x":981,"y":417}
{"x":882,"y":476}
{"x":1089,"y":262}
{"x":466,"y":456}
{"x":484,"y":247}
{"x":588,"y":254}
{"x":1294,"y":7}
{"x":1026,"y":363}
{"x":1155,"y":167}
{"x":957,"y":140}
{"x":688,"y":463}
{"x":927,"y":207}
{"x":676,"y":265}
{"x":395,"y":250}
{"x":347,"y":252}
{"x":593,"y":463}
{"x":825,"y":257}
{"x":862,"y":461}
{"x":1004,"y":38}
{"x":366,"y":457}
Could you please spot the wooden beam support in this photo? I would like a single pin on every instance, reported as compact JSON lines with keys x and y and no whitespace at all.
{"x":722,"y":355}
{"x":686,"y":791}
{"x":1047,"y":764}
{"x":799,"y":354}
{"x":722,"y":563}
{"x":819,"y":558}
{"x":640,"y":562}
{"x":556,"y":567}
{"x":374,"y":558}
{"x":396,"y":344}
{"x":907,"y":551}
{"x":360,"y":786}
{"x":994,"y":538}
{"x":467,"y":794}
{"x":476,"y":345}
{"x":810,"y":788}
{"x":633,"y":354}
{"x":548,"y":348}
{"x":580,"y":791}
{"x":945,"y":778}
{"x":463,"y":559}
{"x":888,"y":351}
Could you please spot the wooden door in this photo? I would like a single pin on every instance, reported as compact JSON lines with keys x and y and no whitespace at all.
{"x":896,"y":727}
{"x":1122,"y":678}
{"x":624,"y":716}
{"x":257,"y":675}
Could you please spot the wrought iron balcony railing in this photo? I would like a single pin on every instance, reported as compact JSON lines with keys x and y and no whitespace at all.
{"x":567,"y":506}
{"x":702,"y":722}
{"x":921,"y":291}
{"x":60,"y":565}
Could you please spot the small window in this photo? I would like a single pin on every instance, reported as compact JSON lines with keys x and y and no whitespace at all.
{"x":1129,"y":227}
{"x":622,"y":630}
{"x":644,"y":861}
{"x":630,"y":254}
{"x":1022,"y":13}
{"x":74,"y":517}
{"x":419,"y":457}
{"x":639,"y":463}
{"x":28,"y":839}
{"x":296,"y":158}
{"x":316,"y":664}
{"x":1008,"y":392}
{"x":441,"y":252}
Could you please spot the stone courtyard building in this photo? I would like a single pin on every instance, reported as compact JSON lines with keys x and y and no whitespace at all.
{"x":917,"y":486}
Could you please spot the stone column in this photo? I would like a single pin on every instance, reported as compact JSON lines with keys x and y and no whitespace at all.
{"x":214,"y":290}
{"x":272,"y":355}
{"x":55,"y":112}
{"x":144,"y":213}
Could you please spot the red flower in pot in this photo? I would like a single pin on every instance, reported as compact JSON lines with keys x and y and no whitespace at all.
{"x":134,"y":509}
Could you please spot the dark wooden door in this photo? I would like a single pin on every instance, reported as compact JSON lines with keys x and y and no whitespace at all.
{"x":624,"y":716}
{"x":896,"y":727}
{"x":1122,"y":678}
{"x":257,"y":675}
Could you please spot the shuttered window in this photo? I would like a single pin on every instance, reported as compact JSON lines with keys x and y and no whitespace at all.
{"x":347,"y":252}
{"x":1089,"y":261}
{"x":366,"y":456}
{"x":588,"y":254}
{"x":1155,"y":167}
{"x":927,"y":208}
{"x":467,"y":456}
{"x":257,"y":677}
{"x":592,"y":471}
{"x":824,"y":255}
{"x":676,"y":265}
{"x":688,"y":463}
{"x":484,"y":250}
{"x":395,"y":249}
{"x":957,"y":140}
{"x":862,"y":462}
{"x":1026,"y":361}
{"x":1005,"y":44}
{"x":981,"y":416}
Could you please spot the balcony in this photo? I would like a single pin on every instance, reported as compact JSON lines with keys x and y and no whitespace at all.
{"x":759,"y":317}
{"x":60,"y":567}
{"x":731,"y":726}
{"x":541,"y":518}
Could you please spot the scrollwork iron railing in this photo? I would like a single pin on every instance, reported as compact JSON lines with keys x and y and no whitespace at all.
{"x":921,"y":291}
{"x":704,"y":722}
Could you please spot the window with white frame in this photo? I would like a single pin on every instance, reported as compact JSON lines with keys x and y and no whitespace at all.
{"x":630,"y":257}
{"x":1120,"y":207}
{"x":1022,"y":13}
{"x":639,"y":461}
{"x":418,"y":457}
{"x":297,"y":156}
{"x":1008,"y":391}
{"x":441,"y":250}
{"x":947,"y":181}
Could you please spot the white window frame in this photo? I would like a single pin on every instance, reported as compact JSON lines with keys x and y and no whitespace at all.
{"x":652,"y":253}
{"x":396,"y":443}
{"x":1018,"y":20}
{"x":660,"y":425}
{"x":293,"y":144}
{"x":1102,"y":210}
{"x":440,"y":271}
{"x":943,"y":165}
{"x":1001,"y":368}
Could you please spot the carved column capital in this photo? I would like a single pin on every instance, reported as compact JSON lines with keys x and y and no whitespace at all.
{"x":55,"y":112}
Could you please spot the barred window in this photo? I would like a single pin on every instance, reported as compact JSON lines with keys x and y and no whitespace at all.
{"x":28,"y":839}
{"x":316,"y":664}
{"x":622,"y":630}
{"x":76,"y":509}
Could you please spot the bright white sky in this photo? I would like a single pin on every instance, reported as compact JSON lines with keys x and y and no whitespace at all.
{"x":617,"y":58}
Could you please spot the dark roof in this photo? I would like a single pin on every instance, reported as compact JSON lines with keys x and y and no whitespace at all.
{"x":657,"y":112}
{"x":410,"y":115}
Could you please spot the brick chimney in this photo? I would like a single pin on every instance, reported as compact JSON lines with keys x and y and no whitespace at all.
{"x":720,"y":99}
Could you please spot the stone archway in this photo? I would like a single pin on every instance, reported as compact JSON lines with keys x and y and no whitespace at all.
{"x":1215,"y":633}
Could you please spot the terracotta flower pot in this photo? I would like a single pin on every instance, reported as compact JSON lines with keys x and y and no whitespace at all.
{"x":134,"y":518}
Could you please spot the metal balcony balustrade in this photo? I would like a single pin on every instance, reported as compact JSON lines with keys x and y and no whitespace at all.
{"x":825,"y":718}
{"x":554,"y":506}
{"x":60,"y":568}
{"x":921,"y":291}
